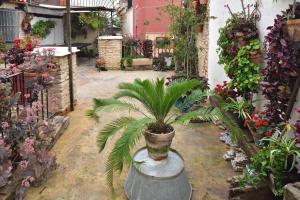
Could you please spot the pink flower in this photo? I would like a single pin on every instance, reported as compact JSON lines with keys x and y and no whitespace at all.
{"x":4,"y":125}
{"x":28,"y":146}
{"x":23,"y":164}
{"x":26,"y":182}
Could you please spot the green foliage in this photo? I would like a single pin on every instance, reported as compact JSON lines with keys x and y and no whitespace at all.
{"x":157,"y":102}
{"x":241,"y":107}
{"x":184,"y":23}
{"x":234,"y":129}
{"x":122,"y":65}
{"x":93,"y":20}
{"x":163,"y":43}
{"x":129,"y":61}
{"x":246,"y":74}
{"x":3,"y":47}
{"x":43,"y":28}
{"x":274,"y":159}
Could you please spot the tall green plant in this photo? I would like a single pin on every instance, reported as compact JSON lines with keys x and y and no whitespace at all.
{"x":184,"y":23}
{"x":155,"y":113}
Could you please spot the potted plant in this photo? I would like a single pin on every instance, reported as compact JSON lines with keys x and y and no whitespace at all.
{"x":155,"y":121}
{"x":259,"y":126}
{"x":276,"y":160}
{"x":241,"y":109}
{"x":203,"y":2}
{"x":292,"y":24}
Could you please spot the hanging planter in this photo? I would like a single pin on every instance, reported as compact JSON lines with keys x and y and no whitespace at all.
{"x":293,"y":29}
{"x":255,"y":57}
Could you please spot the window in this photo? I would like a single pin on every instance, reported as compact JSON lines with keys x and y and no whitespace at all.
{"x":9,"y":24}
{"x":129,"y":4}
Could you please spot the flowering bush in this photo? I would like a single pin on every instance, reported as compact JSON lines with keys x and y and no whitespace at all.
{"x":24,"y":135}
{"x":260,"y":124}
{"x":5,"y":163}
{"x":225,"y":91}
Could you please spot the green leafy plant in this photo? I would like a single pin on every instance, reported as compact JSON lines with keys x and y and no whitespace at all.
{"x":156,"y":115}
{"x":240,"y":107}
{"x":183,"y":26}
{"x":43,"y":28}
{"x":278,"y":159}
{"x":129,"y":61}
{"x":93,"y":20}
{"x":122,"y":65}
{"x":245,"y":73}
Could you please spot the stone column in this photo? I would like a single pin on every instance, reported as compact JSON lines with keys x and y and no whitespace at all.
{"x":110,"y":48}
{"x":60,"y":89}
{"x":202,"y":45}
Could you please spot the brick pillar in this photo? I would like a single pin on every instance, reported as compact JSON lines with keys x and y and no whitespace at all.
{"x":110,"y":48}
{"x":60,"y":88}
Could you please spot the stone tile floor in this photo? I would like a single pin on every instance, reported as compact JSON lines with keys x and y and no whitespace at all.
{"x":81,"y":175}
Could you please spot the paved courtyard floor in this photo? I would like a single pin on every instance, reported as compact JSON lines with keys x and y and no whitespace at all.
{"x":81,"y":175}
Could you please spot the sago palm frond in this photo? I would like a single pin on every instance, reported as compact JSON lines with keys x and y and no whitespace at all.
{"x":197,"y":96}
{"x":204,"y":114}
{"x":235,"y":130}
{"x":120,"y":154}
{"x":109,"y":105}
{"x":111,"y":129}
{"x":174,"y":92}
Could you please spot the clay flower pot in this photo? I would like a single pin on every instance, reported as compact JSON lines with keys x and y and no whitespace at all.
{"x":203,"y":2}
{"x":242,"y":42}
{"x":293,"y":29}
{"x":158,"y":145}
{"x":255,"y":57}
{"x":239,"y":34}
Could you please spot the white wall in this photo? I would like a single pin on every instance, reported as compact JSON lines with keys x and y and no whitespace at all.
{"x":56,"y":37}
{"x":268,"y":9}
{"x":128,"y":23}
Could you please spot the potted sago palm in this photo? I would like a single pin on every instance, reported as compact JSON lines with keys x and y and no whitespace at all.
{"x":153,"y":101}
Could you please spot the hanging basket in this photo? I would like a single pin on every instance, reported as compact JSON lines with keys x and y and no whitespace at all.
{"x":293,"y":29}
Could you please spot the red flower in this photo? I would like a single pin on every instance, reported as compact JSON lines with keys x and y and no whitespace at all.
{"x":268,"y":134}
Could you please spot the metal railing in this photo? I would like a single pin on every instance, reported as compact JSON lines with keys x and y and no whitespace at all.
{"x":24,"y":93}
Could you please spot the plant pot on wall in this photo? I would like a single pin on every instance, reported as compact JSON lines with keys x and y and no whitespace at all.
{"x":256,"y":57}
{"x":293,"y":29}
{"x":158,"y":145}
{"x":203,"y":2}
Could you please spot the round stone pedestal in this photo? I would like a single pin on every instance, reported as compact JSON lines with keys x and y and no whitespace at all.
{"x":157,"y":180}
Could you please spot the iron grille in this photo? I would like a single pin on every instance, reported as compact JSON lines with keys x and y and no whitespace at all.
{"x":9,"y":24}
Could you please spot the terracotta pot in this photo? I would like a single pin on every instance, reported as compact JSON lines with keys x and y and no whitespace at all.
{"x":256,"y":58}
{"x":293,"y":29}
{"x":242,"y":42}
{"x":239,"y":34}
{"x":203,"y":1}
{"x":158,"y":145}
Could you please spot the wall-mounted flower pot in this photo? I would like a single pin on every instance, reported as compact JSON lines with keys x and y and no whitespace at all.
{"x":203,"y":2}
{"x":242,"y":42}
{"x":293,"y":29}
{"x":239,"y":34}
{"x":255,"y":57}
